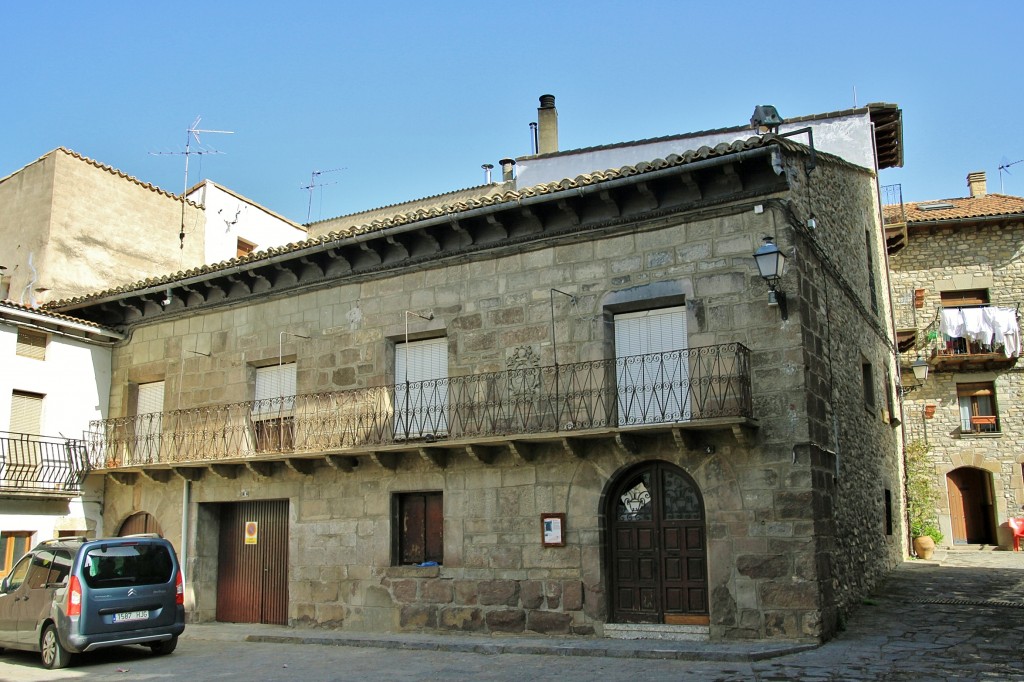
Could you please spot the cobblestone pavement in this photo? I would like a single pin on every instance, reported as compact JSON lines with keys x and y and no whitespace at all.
{"x":960,"y":617}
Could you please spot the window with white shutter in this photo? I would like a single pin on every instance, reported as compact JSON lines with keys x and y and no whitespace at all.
{"x":26,"y":412}
{"x":274,"y":407}
{"x":652,"y":368}
{"x":31,"y":344}
{"x":422,"y":408}
{"x":149,"y":414}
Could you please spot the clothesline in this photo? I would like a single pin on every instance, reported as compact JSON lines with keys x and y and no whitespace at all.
{"x":989,"y":325}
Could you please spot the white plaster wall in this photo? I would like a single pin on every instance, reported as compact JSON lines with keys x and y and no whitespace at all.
{"x":229,"y":217}
{"x":849,"y":137}
{"x":74,"y":377}
{"x":75,"y":380}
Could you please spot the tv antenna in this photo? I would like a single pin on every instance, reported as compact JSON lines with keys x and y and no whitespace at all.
{"x":192,"y":132}
{"x":313,"y":184}
{"x":1005,"y":167}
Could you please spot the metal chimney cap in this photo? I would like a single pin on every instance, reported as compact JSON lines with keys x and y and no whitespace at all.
{"x":547,"y":101}
{"x":507,"y":162}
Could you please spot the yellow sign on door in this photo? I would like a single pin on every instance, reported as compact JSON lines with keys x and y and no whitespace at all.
{"x":251,"y":532}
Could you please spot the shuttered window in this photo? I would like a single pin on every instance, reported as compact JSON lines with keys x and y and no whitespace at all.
{"x":652,"y":367}
{"x":423,"y":408}
{"x":151,"y":398}
{"x":275,"y":389}
{"x":419,"y":527}
{"x":26,"y":412}
{"x":149,"y":408}
{"x":274,"y":407}
{"x":31,"y":344}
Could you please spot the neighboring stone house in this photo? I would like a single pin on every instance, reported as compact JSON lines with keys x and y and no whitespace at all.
{"x":55,"y":381}
{"x":958,"y":283}
{"x":563,"y":408}
{"x":71,"y":225}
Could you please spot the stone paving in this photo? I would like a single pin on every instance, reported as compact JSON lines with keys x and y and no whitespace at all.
{"x":960,"y":617}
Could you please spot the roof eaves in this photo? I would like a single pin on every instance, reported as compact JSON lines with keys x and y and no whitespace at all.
{"x":721,"y":150}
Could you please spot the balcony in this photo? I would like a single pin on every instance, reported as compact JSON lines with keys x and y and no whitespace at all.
{"x":894,"y":217}
{"x":618,"y":399}
{"x":973,"y":347}
{"x":37,"y":466}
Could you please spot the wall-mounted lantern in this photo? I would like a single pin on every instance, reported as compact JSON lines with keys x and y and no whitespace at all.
{"x":771,"y":263}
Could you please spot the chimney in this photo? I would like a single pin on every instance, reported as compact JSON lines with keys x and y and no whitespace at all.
{"x":488,"y":167}
{"x":508,"y":169}
{"x":976,"y":181}
{"x":547,"y":122}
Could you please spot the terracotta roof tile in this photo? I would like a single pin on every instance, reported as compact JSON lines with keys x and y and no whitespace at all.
{"x":454,"y":207}
{"x":961,"y":208}
{"x":58,"y":317}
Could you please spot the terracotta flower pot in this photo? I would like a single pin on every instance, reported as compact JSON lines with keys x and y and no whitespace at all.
{"x":924,"y":547}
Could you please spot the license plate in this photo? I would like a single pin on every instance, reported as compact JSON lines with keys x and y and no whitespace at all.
{"x":130,"y":615}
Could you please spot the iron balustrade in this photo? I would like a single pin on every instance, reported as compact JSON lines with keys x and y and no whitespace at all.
{"x":658,"y":388}
{"x":38,"y":465}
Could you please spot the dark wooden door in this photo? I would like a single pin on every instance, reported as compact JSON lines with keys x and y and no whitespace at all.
{"x":252,"y":564}
{"x":970,"y":506}
{"x":657,"y":547}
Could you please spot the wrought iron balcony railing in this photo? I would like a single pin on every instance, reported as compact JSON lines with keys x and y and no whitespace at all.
{"x":659,"y":388}
{"x":37,"y":465}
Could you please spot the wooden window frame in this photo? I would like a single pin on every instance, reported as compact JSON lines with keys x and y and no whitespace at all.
{"x":8,"y":544}
{"x":981,"y":422}
{"x":960,"y":298}
{"x":418,"y":527}
{"x":243,"y":247}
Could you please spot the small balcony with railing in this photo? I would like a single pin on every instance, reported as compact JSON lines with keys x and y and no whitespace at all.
{"x":894,"y":218}
{"x":38,"y":466}
{"x":620,"y":399}
{"x":972,"y":339}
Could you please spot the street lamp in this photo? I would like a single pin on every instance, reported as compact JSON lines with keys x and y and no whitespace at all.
{"x":771,"y":263}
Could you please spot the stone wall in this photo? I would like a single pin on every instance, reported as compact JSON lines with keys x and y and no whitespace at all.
{"x":90,"y":228}
{"x":965,"y":257}
{"x":789,"y":544}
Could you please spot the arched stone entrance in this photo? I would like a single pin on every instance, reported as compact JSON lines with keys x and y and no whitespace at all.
{"x":139,"y":522}
{"x":971,"y":506}
{"x":657,"y":547}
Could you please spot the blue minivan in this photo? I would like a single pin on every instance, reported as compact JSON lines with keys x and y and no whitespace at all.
{"x":73,"y":595}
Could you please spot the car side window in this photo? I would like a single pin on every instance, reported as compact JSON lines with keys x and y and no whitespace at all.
{"x":18,"y":573}
{"x":60,"y":568}
{"x":40,"y":569}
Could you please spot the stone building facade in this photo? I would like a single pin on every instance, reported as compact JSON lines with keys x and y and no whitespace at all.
{"x":956,"y":257}
{"x":550,"y":472}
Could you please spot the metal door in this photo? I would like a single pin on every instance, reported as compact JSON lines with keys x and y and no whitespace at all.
{"x":252,"y":571}
{"x":657,"y":547}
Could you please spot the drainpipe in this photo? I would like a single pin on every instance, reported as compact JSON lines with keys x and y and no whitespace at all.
{"x":186,"y":500}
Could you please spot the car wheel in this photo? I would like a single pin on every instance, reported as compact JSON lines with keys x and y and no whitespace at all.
{"x":165,"y":647}
{"x":53,"y":652}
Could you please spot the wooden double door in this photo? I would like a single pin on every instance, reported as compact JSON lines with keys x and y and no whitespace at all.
{"x":971,"y":507}
{"x":657,"y":553}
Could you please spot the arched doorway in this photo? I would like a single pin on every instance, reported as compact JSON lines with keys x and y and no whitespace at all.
{"x":139,"y":522}
{"x":657,"y":548}
{"x":971,"y":506}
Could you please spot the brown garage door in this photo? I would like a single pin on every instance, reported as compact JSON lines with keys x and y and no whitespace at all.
{"x":252,"y":569}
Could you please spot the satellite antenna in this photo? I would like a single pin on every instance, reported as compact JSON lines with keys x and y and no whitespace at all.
{"x":193,"y":131}
{"x":1005,"y":167}
{"x":313,"y":184}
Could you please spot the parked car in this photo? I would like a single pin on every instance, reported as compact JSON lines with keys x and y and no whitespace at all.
{"x":73,"y":595}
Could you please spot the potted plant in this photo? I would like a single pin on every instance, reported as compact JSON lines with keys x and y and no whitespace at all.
{"x":922,"y":497}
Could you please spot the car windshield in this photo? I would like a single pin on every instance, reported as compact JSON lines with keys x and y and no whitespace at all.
{"x":131,"y":564}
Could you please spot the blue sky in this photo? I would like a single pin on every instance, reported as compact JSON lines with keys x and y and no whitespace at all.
{"x":410,"y":98}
